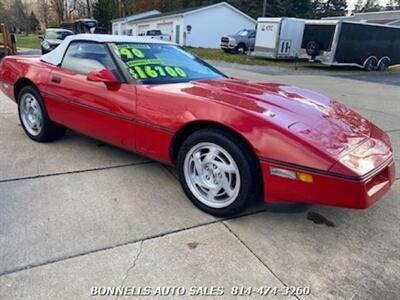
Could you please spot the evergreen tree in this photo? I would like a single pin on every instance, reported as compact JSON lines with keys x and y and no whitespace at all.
{"x":392,"y":5}
{"x":299,"y":8}
{"x":104,"y":11}
{"x":33,"y":22}
{"x":371,"y":5}
{"x":329,"y":8}
{"x":2,"y":13}
{"x":358,"y":7}
{"x":19,"y":21}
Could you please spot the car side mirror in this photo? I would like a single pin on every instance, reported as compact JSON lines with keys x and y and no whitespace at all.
{"x":105,"y":76}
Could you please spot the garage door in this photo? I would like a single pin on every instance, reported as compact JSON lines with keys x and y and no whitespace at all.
{"x":166,"y":28}
{"x":142,"y":29}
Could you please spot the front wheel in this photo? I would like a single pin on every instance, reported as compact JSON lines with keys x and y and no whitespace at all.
{"x":241,"y":49}
{"x":218,"y":172}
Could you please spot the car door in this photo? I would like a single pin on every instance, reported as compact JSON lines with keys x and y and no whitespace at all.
{"x":252,"y":40}
{"x":92,"y":108}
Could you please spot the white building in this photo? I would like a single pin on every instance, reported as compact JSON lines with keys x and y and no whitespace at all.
{"x":390,"y":17}
{"x":196,"y":27}
{"x":121,"y":26}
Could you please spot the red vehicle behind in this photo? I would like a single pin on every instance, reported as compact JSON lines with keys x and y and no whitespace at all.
{"x":233,"y":141}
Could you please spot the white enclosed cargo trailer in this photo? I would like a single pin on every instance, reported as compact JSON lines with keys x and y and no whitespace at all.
{"x":279,"y":38}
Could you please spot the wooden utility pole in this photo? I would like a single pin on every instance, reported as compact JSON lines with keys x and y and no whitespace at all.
{"x":264,"y":8}
{"x":6,"y":46}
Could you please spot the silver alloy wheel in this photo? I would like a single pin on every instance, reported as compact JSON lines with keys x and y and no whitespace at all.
{"x":212,"y":175}
{"x":31,"y":114}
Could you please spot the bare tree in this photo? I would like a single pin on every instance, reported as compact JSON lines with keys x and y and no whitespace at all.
{"x":89,"y":8}
{"x":44,"y":12}
{"x":59,"y":7}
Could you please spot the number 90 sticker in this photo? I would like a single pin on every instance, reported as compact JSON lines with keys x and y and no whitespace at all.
{"x":131,"y":53}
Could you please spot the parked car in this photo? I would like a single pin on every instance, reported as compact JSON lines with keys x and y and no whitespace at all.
{"x":232,"y":141}
{"x":99,"y":30}
{"x":52,"y":38}
{"x":85,"y":25}
{"x":240,"y":42}
{"x":157,"y":34}
{"x":344,"y":43}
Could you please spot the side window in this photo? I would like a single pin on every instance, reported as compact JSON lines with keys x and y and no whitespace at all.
{"x":83,"y":57}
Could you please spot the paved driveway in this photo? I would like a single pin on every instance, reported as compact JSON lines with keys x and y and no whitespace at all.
{"x":77,"y":213}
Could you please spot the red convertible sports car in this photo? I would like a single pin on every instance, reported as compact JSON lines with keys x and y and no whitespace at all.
{"x":232,"y":141}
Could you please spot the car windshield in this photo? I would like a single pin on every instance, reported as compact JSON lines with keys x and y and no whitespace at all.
{"x":154,"y":63}
{"x":243,"y":32}
{"x":154,"y":32}
{"x":57,"y":35}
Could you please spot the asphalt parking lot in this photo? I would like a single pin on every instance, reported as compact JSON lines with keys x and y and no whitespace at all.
{"x":78,"y":213}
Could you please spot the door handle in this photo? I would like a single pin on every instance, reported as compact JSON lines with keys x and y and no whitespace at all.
{"x":55,"y":79}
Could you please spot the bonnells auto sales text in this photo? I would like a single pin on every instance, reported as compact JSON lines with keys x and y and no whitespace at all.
{"x":214,"y":291}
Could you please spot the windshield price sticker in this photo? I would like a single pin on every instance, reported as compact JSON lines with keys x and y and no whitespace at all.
{"x":140,"y":67}
{"x":144,"y":62}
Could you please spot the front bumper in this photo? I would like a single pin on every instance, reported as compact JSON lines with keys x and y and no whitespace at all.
{"x":328,"y":188}
{"x":227,"y":46}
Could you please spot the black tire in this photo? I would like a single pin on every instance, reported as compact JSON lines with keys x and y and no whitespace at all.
{"x":241,"y":48}
{"x":248,"y":165}
{"x":312,"y":48}
{"x":383,"y":64}
{"x":50,"y":131}
{"x":370,"y":64}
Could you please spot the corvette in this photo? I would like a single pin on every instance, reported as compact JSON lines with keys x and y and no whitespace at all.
{"x":232,"y":141}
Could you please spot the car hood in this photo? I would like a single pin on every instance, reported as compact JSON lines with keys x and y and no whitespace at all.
{"x":326,"y":124}
{"x":235,"y":37}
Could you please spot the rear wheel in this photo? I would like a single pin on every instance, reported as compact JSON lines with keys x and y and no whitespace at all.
{"x":383,"y":64}
{"x":218,"y":173}
{"x":34,"y":118}
{"x":370,"y":64}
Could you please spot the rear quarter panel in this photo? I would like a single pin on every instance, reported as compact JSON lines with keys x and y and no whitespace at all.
{"x":15,"y":68}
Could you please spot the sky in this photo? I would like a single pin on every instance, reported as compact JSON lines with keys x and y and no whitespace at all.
{"x":352,"y":2}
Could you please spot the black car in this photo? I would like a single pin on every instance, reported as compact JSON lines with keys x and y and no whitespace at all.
{"x":52,"y":38}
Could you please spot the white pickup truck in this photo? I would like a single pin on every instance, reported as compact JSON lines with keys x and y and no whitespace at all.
{"x":157,"y":34}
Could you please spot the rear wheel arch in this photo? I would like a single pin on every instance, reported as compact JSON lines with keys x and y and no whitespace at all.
{"x":20,"y":84}
{"x":383,"y":63}
{"x":370,"y":63}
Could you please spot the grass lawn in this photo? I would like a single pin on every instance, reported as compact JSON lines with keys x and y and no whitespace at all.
{"x":218,"y":54}
{"x":28,"y":41}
